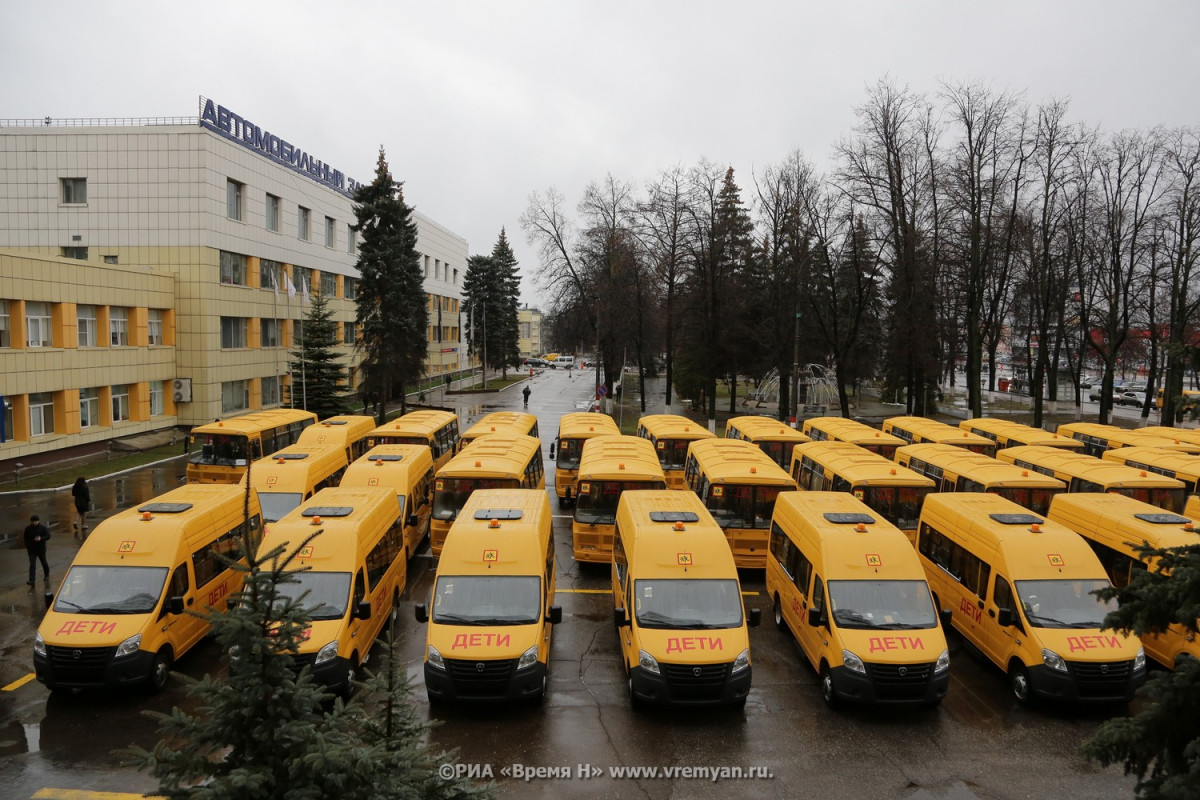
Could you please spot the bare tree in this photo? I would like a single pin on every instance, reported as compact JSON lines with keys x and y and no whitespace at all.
{"x":1181,"y":231}
{"x":664,"y":216}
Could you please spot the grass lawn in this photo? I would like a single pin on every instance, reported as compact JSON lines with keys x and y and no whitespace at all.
{"x":95,"y":469}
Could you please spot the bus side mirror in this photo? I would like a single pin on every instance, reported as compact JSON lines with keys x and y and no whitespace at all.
{"x":1006,"y":617}
{"x":175,"y":605}
{"x":555,"y":615}
{"x":619,"y":617}
{"x":814,"y":617}
{"x":947,"y":616}
{"x":421,"y":612}
{"x":755,"y":617}
{"x":552,"y":451}
{"x":363,"y":609}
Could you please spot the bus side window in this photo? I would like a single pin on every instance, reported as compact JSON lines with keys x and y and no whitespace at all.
{"x":818,"y":597}
{"x":255,"y":449}
{"x":178,"y":587}
{"x":360,"y":589}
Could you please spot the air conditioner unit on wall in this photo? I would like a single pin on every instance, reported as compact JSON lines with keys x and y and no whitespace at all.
{"x":182,"y":390}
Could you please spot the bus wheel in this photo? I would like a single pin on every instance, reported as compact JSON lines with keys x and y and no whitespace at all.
{"x":827,"y":692}
{"x":351,"y":676}
{"x":394,"y":615}
{"x":160,"y":671}
{"x":780,"y":622}
{"x":1018,"y":681}
{"x":634,"y":702}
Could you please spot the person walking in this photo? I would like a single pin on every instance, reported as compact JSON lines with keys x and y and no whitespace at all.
{"x":83,"y":502}
{"x":36,"y":535}
{"x":526,"y":393}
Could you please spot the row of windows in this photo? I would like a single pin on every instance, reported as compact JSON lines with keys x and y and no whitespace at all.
{"x":793,"y":562}
{"x":235,"y":208}
{"x":385,"y":552}
{"x":235,"y":332}
{"x":235,"y":271}
{"x":41,"y":408}
{"x":961,"y":564}
{"x":811,"y":477}
{"x":215,"y":557}
{"x":39,"y":330}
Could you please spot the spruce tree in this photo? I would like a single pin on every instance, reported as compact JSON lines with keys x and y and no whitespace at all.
{"x":317,"y":370}
{"x":392,"y":310}
{"x":507,"y":280}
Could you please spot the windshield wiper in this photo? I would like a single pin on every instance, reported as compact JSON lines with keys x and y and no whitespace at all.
{"x":81,"y":608}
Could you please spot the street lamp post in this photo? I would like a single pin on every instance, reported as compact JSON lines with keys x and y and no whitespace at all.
{"x":596,"y":307}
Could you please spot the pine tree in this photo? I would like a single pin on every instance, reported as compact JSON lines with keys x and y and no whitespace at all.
{"x":392,"y":311}
{"x":491,"y":295}
{"x":317,"y":371}
{"x":508,"y":284}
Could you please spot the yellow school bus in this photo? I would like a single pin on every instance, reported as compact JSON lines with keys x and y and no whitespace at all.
{"x":840,"y":429}
{"x":406,"y":470}
{"x":678,"y":603}
{"x":1086,"y":474}
{"x":348,"y":431}
{"x":919,"y":430}
{"x":1182,"y":435}
{"x":610,"y":466}
{"x":219,"y":451}
{"x":671,"y":436}
{"x":849,"y":587}
{"x":1190,"y":394}
{"x":892,"y":491}
{"x":775,"y":438}
{"x":135,"y":597}
{"x":738,"y":484}
{"x":956,"y":470}
{"x":1006,"y":433}
{"x":351,"y":572}
{"x":294,"y":474}
{"x":437,"y":430}
{"x":1168,"y":463}
{"x":573,"y":430}
{"x":498,"y":461}
{"x":492,"y":611}
{"x":1097,"y":439}
{"x":1021,"y":591}
{"x":1115,"y":527}
{"x":502,"y":422}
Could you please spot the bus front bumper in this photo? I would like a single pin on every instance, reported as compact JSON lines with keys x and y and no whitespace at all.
{"x":487,"y":681}
{"x":1085,"y":683}
{"x":678,"y":687}
{"x":62,"y":668}
{"x":886,"y":684}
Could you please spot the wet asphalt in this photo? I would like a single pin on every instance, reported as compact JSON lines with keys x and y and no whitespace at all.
{"x":978,"y":744}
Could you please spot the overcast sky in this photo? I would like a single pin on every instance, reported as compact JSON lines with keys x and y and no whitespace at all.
{"x":478,"y":104}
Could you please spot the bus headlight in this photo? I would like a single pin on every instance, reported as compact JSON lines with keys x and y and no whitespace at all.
{"x":39,"y":644}
{"x":434,"y":659}
{"x":648,"y":662}
{"x":1139,"y":661}
{"x":327,"y":652}
{"x":1053,"y":660}
{"x":943,"y":662}
{"x":129,"y":646}
{"x":853,"y":662}
{"x":528,"y":658}
{"x":741,"y":663}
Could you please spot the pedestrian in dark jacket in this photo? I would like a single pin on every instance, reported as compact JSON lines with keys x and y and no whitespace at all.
{"x":83,"y":501}
{"x":36,"y":535}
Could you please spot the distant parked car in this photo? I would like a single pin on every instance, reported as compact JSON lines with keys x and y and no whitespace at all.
{"x":536,"y":362}
{"x":1095,"y":395}
{"x":1129,"y":399}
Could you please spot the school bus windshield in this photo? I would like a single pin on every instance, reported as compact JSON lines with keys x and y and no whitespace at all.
{"x":276,"y":505}
{"x":672,"y":453}
{"x":687,"y":603}
{"x":453,"y":494}
{"x":1036,"y":500}
{"x":900,"y":505}
{"x":328,"y":593}
{"x":487,"y":600}
{"x":1167,"y":499}
{"x":893,"y":605}
{"x":743,"y":506}
{"x":111,"y":590}
{"x":1064,"y":603}
{"x":220,"y":448}
{"x":569,"y":453}
{"x":598,"y":505}
{"x":780,"y":452}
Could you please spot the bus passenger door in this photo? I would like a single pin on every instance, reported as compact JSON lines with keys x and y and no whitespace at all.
{"x":358,"y":626}
{"x":182,"y":630}
{"x":1000,"y":640}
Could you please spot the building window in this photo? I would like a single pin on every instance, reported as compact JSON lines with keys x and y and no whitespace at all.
{"x":120,"y":403}
{"x":437,"y":269}
{"x":37,"y":324}
{"x":5,"y":325}
{"x":349,"y":333}
{"x":78,"y":253}
{"x":456,"y":276}
{"x":110,"y":260}
{"x":302,"y":278}
{"x":350,"y":288}
{"x":233,"y":332}
{"x":351,"y":246}
{"x":235,"y":396}
{"x":330,"y":234}
{"x":156,"y":398}
{"x":302,"y":223}
{"x":41,"y":414}
{"x":272,"y":212}
{"x":154,"y":326}
{"x":233,"y":268}
{"x":270,"y":274}
{"x":7,"y":418}
{"x":86,"y":318}
{"x":74,"y":191}
{"x":328,"y":284}
{"x":118,"y":326}
{"x":270,"y":391}
{"x":270,"y":333}
{"x":233,"y":199}
{"x":89,"y":408}
{"x":426,"y":266}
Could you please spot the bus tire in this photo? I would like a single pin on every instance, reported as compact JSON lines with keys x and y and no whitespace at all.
{"x":634,"y":702}
{"x":828,"y":694}
{"x":160,"y":671}
{"x":394,"y":614}
{"x":1018,"y":682}
{"x":780,"y":622}
{"x":351,"y":676}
